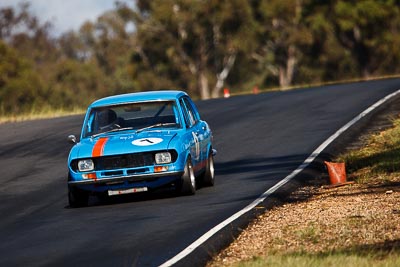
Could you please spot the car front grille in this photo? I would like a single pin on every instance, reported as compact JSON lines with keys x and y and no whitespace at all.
{"x":124,"y":161}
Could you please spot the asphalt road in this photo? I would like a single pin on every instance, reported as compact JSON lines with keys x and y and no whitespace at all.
{"x":260,"y":139}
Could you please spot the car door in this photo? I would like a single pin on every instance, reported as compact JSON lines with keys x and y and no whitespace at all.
{"x":203,"y":130}
{"x":193,"y":133}
{"x":199,"y":133}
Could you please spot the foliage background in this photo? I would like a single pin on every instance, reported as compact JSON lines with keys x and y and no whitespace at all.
{"x":198,"y":46}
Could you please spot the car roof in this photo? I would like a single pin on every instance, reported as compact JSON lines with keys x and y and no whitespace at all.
{"x":138,"y":97}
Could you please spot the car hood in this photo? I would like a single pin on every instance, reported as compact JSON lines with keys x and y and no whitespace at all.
{"x":114,"y":144}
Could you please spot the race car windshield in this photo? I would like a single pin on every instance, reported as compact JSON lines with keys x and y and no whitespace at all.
{"x":133,"y":116}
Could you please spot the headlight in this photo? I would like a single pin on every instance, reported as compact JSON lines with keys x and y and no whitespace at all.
{"x":163,"y":158}
{"x":85,"y":165}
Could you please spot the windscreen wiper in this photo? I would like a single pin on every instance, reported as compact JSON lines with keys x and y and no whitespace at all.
{"x":113,"y":130}
{"x":156,"y":125}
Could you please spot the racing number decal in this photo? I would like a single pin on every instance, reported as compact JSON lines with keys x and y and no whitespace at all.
{"x":197,"y":145}
{"x":147,"y":141}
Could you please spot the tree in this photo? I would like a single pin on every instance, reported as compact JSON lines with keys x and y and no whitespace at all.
{"x":324,"y":59}
{"x":76,"y":84}
{"x":23,"y":31}
{"x":20,"y":87}
{"x":200,"y":46}
{"x":106,"y":43}
{"x":11,"y":21}
{"x":284,"y":37}
{"x":198,"y":41}
{"x":367,"y":29}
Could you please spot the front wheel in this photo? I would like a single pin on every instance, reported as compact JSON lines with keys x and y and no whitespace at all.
{"x":77,"y":197}
{"x":188,"y":181}
{"x":209,"y":176}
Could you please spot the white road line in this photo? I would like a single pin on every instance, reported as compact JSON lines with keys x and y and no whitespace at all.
{"x":267,"y":193}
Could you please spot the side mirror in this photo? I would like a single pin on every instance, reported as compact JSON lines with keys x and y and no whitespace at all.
{"x":71,"y":139}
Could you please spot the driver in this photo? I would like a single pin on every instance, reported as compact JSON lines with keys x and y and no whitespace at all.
{"x":107,"y":120}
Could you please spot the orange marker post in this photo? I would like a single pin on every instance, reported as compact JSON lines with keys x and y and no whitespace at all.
{"x":256,"y":91}
{"x":337,"y":173}
{"x":226,"y":93}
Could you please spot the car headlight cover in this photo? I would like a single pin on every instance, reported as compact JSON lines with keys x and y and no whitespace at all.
{"x":86,"y":165}
{"x":163,"y":158}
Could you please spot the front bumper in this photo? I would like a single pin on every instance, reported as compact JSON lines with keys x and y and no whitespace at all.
{"x":151,"y":181}
{"x":130,"y":178}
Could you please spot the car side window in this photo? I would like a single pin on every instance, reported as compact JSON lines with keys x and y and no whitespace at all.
{"x":185,"y":113}
{"x":193,"y":114}
{"x":90,"y":123}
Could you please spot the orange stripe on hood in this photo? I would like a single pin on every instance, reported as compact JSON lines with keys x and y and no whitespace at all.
{"x":98,"y":148}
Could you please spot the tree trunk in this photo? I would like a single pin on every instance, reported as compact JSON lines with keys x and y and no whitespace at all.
{"x":286,"y":73}
{"x":203,"y":85}
{"x":221,"y":77}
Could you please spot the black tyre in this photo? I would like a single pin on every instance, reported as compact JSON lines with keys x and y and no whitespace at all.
{"x":209,"y":175}
{"x":188,"y":182}
{"x":77,"y":197}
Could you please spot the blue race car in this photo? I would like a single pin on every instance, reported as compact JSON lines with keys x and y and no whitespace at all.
{"x":137,"y":142}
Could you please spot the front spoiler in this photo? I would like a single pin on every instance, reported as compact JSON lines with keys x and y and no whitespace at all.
{"x":130,"y":178}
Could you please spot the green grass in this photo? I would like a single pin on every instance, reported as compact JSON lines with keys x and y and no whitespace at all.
{"x":379,"y":159}
{"x":310,"y":234}
{"x":40,"y":114}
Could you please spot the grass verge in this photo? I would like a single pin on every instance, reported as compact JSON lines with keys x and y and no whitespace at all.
{"x":379,"y":160}
{"x":40,"y":114}
{"x":352,"y":225}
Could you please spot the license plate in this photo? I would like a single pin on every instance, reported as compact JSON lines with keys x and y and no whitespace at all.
{"x":126,"y":191}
